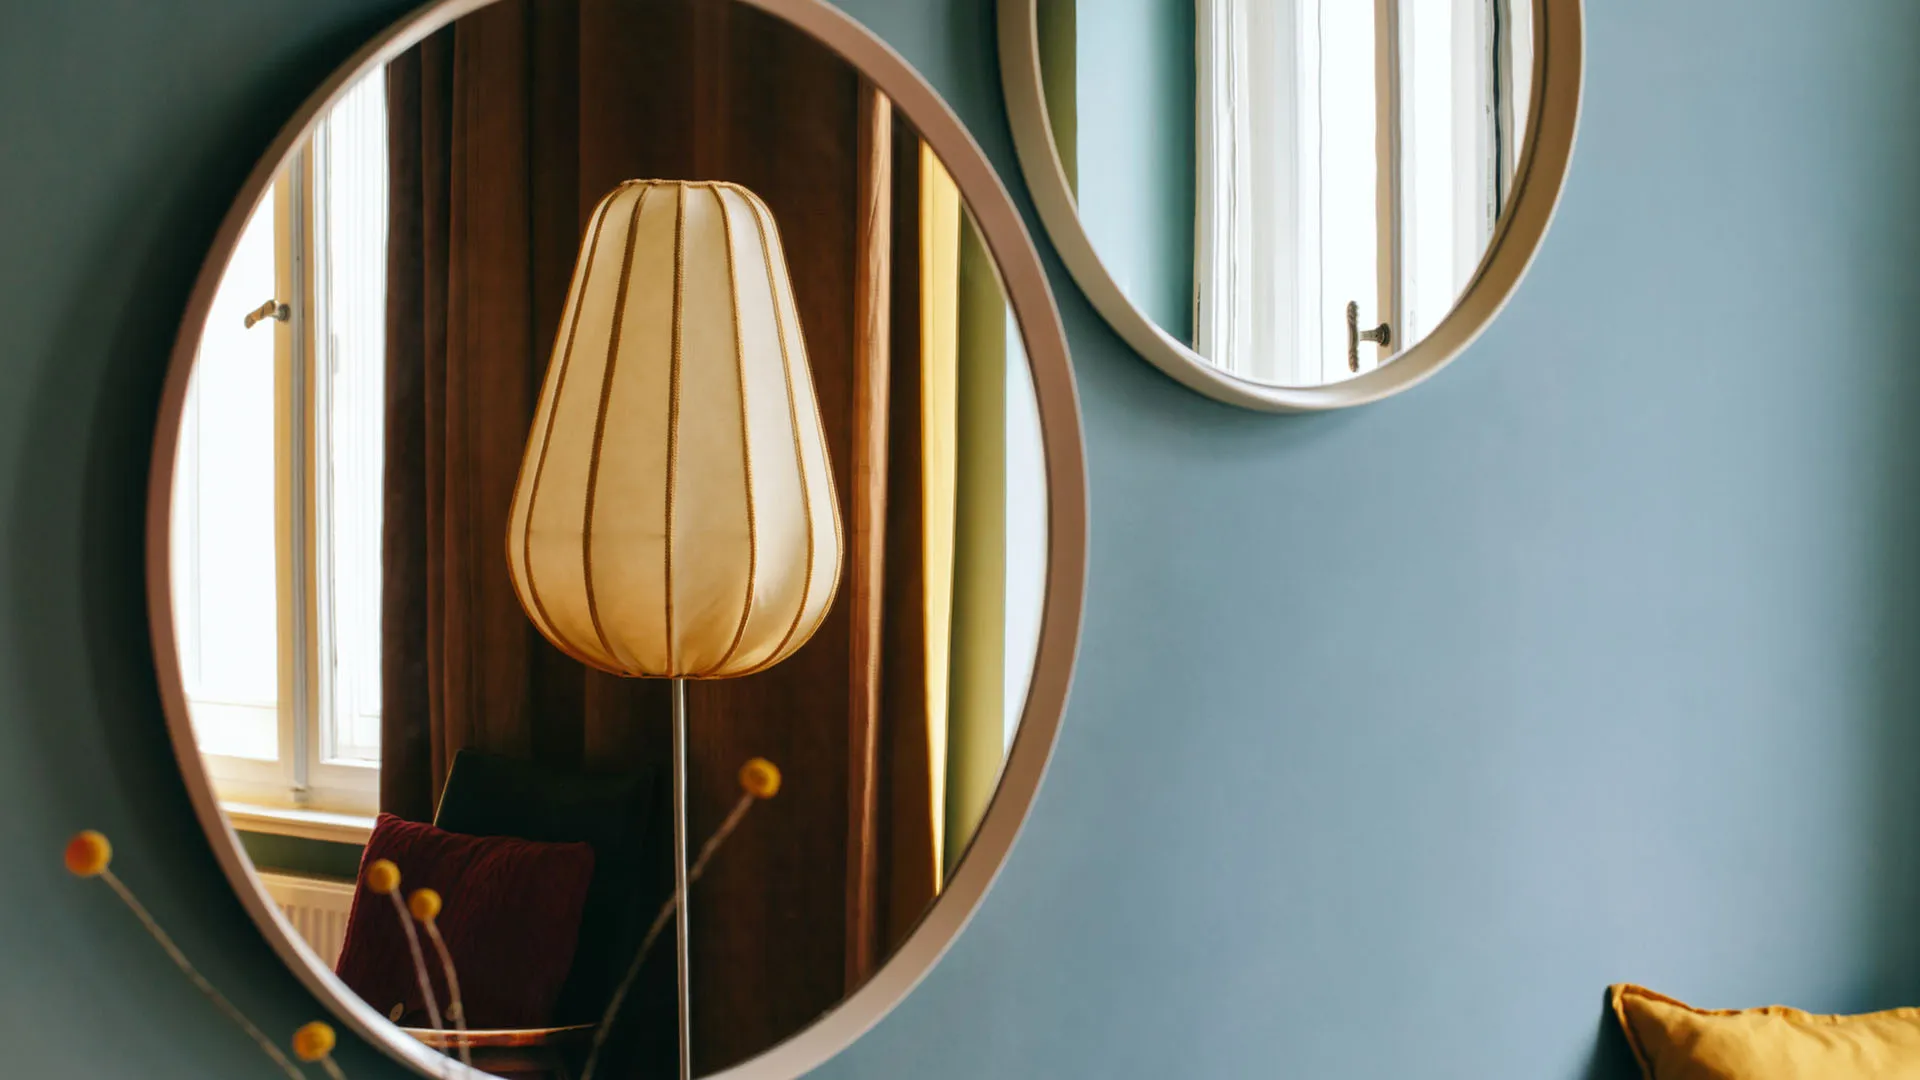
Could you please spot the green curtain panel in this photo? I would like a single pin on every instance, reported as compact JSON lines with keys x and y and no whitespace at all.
{"x":976,"y":711}
{"x":1059,"y":65}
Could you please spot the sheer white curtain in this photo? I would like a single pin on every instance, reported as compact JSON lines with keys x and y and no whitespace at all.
{"x":1249,"y":202}
{"x":351,"y":248}
{"x":1256,"y":236}
{"x":1223,"y":192}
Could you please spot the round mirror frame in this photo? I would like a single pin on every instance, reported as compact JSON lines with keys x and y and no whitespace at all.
{"x":1553,"y":117}
{"x":1030,"y":296}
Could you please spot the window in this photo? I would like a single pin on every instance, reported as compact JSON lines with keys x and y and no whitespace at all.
{"x":1349,"y":153}
{"x":277,"y":493}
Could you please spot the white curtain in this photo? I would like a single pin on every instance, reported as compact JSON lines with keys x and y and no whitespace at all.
{"x":1223,"y":192}
{"x":350,"y":252}
{"x":1250,"y":316}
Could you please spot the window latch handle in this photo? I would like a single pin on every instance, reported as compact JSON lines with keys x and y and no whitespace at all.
{"x":1381,"y":335}
{"x":272,"y":309}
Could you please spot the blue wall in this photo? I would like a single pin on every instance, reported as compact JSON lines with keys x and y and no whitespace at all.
{"x":1597,"y":662}
{"x":1134,"y":126}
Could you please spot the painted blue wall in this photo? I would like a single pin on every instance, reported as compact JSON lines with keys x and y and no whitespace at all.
{"x":1134,"y":128}
{"x":1397,"y":735}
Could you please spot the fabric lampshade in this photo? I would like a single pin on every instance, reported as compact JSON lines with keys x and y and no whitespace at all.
{"x":675,"y":513}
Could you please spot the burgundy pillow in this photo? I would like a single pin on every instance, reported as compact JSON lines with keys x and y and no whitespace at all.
{"x":510,"y":917}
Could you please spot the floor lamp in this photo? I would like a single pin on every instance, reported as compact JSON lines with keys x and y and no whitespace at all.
{"x":675,"y":514}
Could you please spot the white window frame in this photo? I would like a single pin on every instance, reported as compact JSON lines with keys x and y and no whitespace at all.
{"x":304,"y":777}
{"x":320,"y":781}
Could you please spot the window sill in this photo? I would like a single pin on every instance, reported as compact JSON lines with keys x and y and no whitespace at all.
{"x":305,"y":824}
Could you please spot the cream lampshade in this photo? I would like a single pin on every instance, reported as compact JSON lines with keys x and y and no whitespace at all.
{"x":675,"y":514}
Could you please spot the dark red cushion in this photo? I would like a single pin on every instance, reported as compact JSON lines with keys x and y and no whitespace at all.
{"x":510,"y":917}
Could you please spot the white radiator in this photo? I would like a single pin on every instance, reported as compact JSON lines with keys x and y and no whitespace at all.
{"x":317,"y":908}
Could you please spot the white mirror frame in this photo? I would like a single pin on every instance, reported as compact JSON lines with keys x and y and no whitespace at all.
{"x":1554,"y":115}
{"x":1031,"y":298}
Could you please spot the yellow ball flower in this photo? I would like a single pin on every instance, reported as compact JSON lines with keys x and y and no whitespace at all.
{"x":383,"y":877}
{"x":425,"y":904}
{"x":760,"y":778}
{"x":313,"y":1041}
{"x":88,"y":854}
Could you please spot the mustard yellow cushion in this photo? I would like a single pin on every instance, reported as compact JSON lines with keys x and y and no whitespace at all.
{"x":1675,"y":1041}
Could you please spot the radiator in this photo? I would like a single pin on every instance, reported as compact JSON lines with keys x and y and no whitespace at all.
{"x":317,"y":908}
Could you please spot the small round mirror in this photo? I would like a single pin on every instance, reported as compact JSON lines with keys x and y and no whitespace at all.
{"x":1295,"y":204}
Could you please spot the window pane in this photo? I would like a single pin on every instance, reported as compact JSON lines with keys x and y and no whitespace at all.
{"x":1431,"y":177}
{"x":1026,"y":544}
{"x":351,"y":253}
{"x":1516,"y":82}
{"x":224,"y":584}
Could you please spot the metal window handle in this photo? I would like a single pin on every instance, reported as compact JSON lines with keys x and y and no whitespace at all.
{"x":278,"y":312}
{"x":1381,"y":335}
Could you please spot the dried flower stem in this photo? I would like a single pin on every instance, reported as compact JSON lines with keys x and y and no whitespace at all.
{"x":456,"y":1011}
{"x":660,"y":921}
{"x":199,"y":981}
{"x":419,"y":960}
{"x":333,"y":1071}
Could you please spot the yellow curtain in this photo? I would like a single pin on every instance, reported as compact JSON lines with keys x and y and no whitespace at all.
{"x":939,"y":416}
{"x":963,"y":402}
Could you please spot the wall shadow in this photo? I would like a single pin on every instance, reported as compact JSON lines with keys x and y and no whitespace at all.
{"x":1612,"y":1058}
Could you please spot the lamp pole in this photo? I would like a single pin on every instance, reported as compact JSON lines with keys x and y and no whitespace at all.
{"x":681,"y":934}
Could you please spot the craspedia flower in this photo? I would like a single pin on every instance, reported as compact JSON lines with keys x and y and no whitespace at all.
{"x":313,"y":1041}
{"x":88,"y":854}
{"x":760,"y":778}
{"x":383,"y":877}
{"x":425,"y":904}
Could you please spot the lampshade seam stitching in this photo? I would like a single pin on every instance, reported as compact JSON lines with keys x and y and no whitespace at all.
{"x":746,"y":441}
{"x":600,"y":429}
{"x":673,"y":411}
{"x":799,"y":450}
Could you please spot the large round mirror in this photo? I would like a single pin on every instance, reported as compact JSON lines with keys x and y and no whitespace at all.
{"x":1294,"y":204}
{"x":620,"y":473}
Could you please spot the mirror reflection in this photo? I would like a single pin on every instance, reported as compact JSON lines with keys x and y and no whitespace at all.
{"x":392,"y":643}
{"x":1297,"y":190}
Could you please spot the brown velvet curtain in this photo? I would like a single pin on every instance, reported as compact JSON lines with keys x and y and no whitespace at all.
{"x":505,"y":130}
{"x":486,"y":210}
{"x":909,"y":871}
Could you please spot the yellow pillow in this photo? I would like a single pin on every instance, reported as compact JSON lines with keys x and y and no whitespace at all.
{"x":1675,"y":1041}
